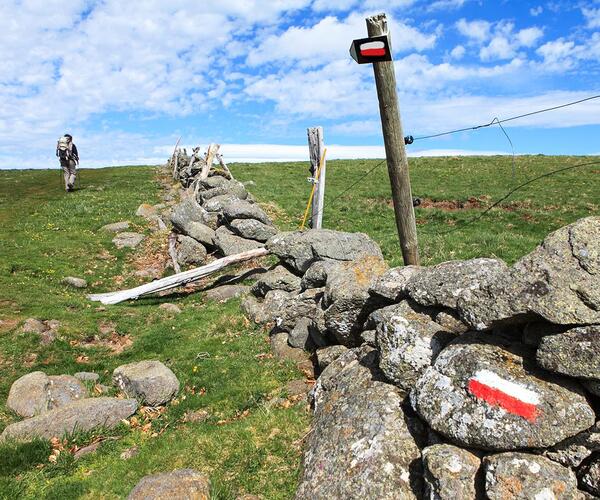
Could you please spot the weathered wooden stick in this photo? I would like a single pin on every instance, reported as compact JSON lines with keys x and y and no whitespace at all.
{"x":177,"y":279}
{"x":224,"y":165}
{"x":173,"y":155}
{"x":210,"y":155}
{"x":318,"y":169}
{"x":173,"y":252}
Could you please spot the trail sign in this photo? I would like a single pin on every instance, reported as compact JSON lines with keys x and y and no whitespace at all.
{"x":370,"y":50}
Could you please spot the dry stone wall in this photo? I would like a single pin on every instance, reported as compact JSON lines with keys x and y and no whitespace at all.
{"x":469,"y":379}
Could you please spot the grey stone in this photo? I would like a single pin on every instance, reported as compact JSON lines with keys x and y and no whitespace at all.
{"x":278,"y":278}
{"x":258,"y":311}
{"x":87,"y":376}
{"x":252,"y":229}
{"x":589,"y":476}
{"x":82,"y":415}
{"x":201,"y":233}
{"x":369,"y":337}
{"x":63,"y":390}
{"x":149,"y":381}
{"x":524,"y":476}
{"x":213,"y":181}
{"x":33,"y":325}
{"x":449,"y":473}
{"x":224,"y":293}
{"x":362,"y":444}
{"x":217,"y":204}
{"x":234,"y":188}
{"x":575,"y":352}
{"x":327,"y":355}
{"x":300,"y":334}
{"x":146,"y":211}
{"x":441,"y":285}
{"x":391,"y":285}
{"x":74,"y":282}
{"x":300,"y":249}
{"x":189,"y":211}
{"x":190,"y":252}
{"x":303,"y":305}
{"x":182,"y":484}
{"x":456,"y":397}
{"x":408,"y":341}
{"x":450,"y":321}
{"x":573,"y":451}
{"x":347,"y":297}
{"x":116,"y":227}
{"x":282,"y":350}
{"x":128,"y":240}
{"x":230,"y":244}
{"x":170,"y":308}
{"x":242,"y":209}
{"x":559,"y":281}
{"x":316,"y":275}
{"x":28,"y":395}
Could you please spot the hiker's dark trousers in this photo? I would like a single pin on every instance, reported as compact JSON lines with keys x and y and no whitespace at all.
{"x":70,"y":172}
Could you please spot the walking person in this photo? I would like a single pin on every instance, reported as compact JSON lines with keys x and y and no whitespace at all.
{"x":66,"y":151}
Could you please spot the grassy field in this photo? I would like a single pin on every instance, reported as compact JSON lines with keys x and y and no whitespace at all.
{"x":509,"y":231}
{"x":245,"y":445}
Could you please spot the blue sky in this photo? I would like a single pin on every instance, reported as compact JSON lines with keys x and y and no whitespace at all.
{"x":128,"y":78}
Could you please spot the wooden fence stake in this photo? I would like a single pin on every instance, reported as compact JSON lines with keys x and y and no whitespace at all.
{"x":315,"y":148}
{"x":395,"y":152}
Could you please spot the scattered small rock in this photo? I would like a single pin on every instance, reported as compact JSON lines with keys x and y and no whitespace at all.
{"x":224,"y":293}
{"x":149,"y":381}
{"x":83,"y":415}
{"x":197,"y":416}
{"x":116,"y":227}
{"x":28,"y":395}
{"x":87,"y":376}
{"x":179,"y":484}
{"x":128,"y":240}
{"x":74,"y":282}
{"x":170,"y":308}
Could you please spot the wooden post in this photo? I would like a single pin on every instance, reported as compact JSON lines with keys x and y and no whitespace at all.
{"x":395,"y":152}
{"x":315,"y":148}
{"x":213,"y":149}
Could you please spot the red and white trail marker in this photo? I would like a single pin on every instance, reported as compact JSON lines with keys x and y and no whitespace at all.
{"x":512,"y":397}
{"x":371,"y":50}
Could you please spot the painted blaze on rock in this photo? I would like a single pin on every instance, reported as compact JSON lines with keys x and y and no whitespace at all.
{"x":483,"y":393}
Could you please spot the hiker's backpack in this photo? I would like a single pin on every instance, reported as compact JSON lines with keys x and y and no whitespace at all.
{"x":64,"y":151}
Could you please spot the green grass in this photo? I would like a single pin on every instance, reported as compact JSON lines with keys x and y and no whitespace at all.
{"x":507,"y":232}
{"x":245,"y":446}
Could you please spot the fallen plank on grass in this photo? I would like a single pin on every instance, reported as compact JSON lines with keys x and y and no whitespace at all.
{"x":178,"y":279}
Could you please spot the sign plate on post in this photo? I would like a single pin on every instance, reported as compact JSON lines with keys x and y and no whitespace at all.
{"x":370,"y":50}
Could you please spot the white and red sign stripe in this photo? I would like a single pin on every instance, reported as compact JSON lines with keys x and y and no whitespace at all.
{"x":371,"y":49}
{"x":512,"y":397}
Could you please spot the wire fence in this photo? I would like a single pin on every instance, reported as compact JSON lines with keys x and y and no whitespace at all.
{"x":509,"y":193}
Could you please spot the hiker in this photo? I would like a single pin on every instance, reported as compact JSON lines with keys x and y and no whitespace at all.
{"x":69,"y":159}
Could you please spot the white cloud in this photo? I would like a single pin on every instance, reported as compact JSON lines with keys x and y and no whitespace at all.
{"x":505,"y":43}
{"x":536,"y":11}
{"x":592,"y":17}
{"x":457,"y":52}
{"x":329,"y":40}
{"x":561,"y":55}
{"x":446,"y":4}
{"x":475,"y":30}
{"x":364,"y":128}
